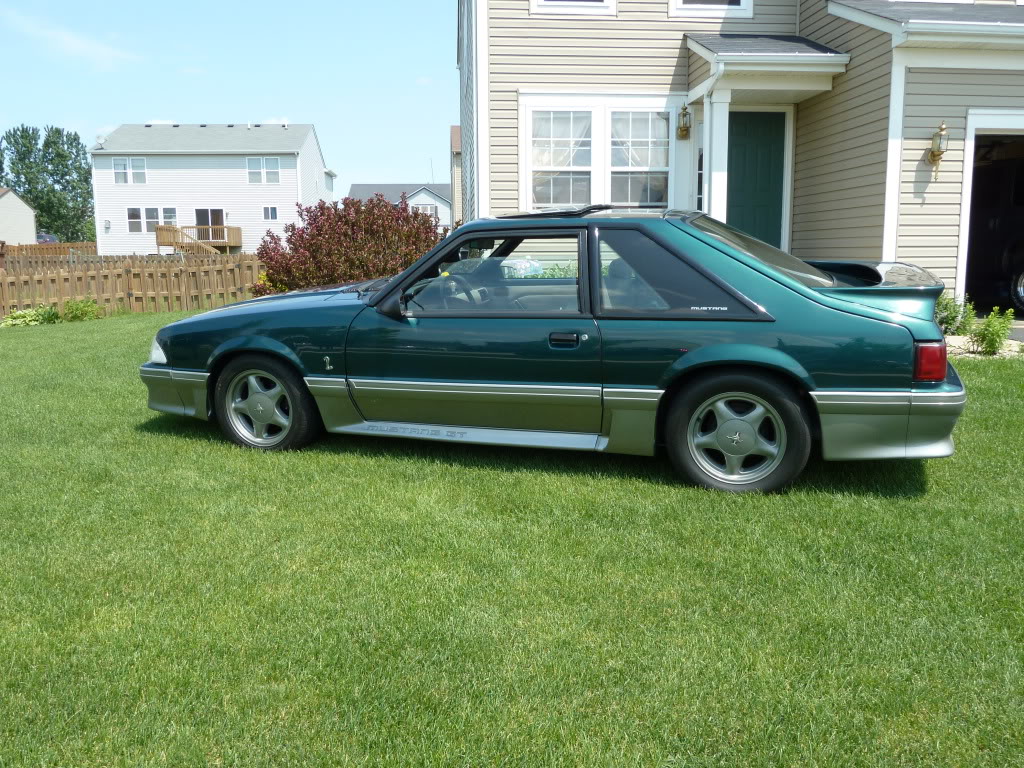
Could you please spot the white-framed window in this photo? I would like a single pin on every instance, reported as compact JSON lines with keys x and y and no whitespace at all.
{"x":585,"y":7}
{"x":711,"y":9}
{"x":270,"y":213}
{"x":147,"y":219}
{"x":133,"y":168}
{"x":263,"y":170}
{"x":429,"y":209}
{"x":561,"y":152}
{"x":639,"y":159}
{"x":579,"y":149}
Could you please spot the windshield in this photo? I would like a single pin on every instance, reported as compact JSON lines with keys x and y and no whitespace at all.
{"x":766,"y":254}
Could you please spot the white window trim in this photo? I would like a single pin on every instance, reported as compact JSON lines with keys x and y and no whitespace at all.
{"x":602,"y":105}
{"x":678,"y":10}
{"x":980,"y":120}
{"x":141,"y":220}
{"x":130,"y":171}
{"x":263,"y":170}
{"x":563,"y":8}
{"x":267,"y":209}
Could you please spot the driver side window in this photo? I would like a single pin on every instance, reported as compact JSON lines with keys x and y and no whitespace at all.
{"x":522,"y":274}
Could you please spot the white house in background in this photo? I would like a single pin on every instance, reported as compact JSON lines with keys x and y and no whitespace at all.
{"x":17,"y":219}
{"x":203,"y":187}
{"x":434,"y":199}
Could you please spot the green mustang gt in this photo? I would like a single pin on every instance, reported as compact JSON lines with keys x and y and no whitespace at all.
{"x":590,"y":329}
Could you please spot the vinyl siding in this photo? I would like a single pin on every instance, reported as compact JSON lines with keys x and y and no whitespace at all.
{"x":929,"y":223}
{"x":467,"y":115}
{"x":444,"y":209}
{"x":312,"y":185}
{"x":187,"y":182}
{"x":699,"y":69}
{"x":840,"y":145}
{"x":641,"y":50}
{"x":17,"y":220}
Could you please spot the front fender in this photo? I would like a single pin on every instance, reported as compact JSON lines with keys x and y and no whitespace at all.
{"x":257,"y":344}
{"x":736,"y":354}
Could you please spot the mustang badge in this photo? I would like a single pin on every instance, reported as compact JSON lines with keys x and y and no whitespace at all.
{"x":736,"y":439}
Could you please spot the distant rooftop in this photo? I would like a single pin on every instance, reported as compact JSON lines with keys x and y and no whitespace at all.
{"x":219,"y":138}
{"x":393,"y":192}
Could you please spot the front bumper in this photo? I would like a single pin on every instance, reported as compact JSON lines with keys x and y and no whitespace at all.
{"x":907,"y":424}
{"x":176,"y":391}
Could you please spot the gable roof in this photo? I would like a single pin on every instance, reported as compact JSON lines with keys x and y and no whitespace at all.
{"x":5,"y":190}
{"x":393,"y":192}
{"x":205,"y":138}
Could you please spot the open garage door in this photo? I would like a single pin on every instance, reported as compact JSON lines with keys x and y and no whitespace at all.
{"x":995,"y":253}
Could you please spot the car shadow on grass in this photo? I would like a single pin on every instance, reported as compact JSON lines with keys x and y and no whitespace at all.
{"x":888,"y":479}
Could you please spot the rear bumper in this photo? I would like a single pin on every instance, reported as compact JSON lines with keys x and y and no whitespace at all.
{"x":910,"y":424}
{"x":176,"y":391}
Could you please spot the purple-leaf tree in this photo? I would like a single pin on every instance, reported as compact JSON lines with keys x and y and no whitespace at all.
{"x":340,"y":243}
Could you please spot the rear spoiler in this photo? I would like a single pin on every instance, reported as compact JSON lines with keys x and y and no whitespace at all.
{"x":890,"y":286}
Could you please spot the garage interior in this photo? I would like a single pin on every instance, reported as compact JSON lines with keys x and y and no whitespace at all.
{"x":995,"y":253}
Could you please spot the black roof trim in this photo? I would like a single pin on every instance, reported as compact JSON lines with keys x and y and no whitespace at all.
{"x":585,"y":210}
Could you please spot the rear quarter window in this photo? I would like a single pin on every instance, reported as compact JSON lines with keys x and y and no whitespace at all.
{"x":639,"y":277}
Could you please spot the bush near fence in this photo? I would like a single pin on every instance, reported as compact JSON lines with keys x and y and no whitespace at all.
{"x":131,"y":284}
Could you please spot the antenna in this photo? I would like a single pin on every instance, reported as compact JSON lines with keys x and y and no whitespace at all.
{"x":431,"y":170}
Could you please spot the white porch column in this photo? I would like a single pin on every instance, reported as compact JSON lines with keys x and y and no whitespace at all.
{"x":716,"y":153}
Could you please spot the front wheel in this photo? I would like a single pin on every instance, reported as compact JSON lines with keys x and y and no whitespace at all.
{"x":263,"y":403}
{"x":739,"y":432}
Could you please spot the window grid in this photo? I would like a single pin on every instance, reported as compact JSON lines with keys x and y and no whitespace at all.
{"x":430,"y":210}
{"x":562,"y":154}
{"x":639,"y":158}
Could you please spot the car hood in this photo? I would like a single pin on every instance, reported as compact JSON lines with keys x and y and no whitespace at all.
{"x":288,"y":300}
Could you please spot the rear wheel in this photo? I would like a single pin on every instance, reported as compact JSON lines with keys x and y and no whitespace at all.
{"x":263,"y":403}
{"x":739,"y":432}
{"x":1017,"y":290}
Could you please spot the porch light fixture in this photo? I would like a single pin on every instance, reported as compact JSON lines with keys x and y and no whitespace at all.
{"x":940,"y":143}
{"x":683,"y":124}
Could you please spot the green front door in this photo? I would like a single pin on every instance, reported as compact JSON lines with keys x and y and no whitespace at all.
{"x":757,"y":147}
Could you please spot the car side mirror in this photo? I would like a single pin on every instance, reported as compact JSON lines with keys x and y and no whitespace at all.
{"x":393,"y":306}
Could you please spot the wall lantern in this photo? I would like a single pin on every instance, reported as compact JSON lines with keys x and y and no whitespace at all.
{"x":940,"y":143}
{"x":683,"y":124}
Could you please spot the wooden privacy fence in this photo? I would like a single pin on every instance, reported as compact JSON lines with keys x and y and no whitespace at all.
{"x":44,"y":255}
{"x":139,"y":284}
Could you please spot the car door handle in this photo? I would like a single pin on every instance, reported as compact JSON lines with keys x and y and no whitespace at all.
{"x":564,"y":339}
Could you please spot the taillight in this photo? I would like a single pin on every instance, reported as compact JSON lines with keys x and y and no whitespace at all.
{"x":930,"y":361}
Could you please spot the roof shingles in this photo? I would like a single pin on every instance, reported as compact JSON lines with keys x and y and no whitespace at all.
{"x":231,"y":138}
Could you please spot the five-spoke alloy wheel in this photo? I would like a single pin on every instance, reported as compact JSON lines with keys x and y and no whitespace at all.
{"x":738,"y":431}
{"x":261,"y":402}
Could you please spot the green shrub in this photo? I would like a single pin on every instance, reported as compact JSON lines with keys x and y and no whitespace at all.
{"x":948,"y":314}
{"x":21,"y":318}
{"x":77,"y":310}
{"x":47,"y":315}
{"x":988,"y":336}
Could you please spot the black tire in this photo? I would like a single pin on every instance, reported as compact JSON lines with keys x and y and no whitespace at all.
{"x":693,"y":440}
{"x":1017,"y":291}
{"x":279,"y":394}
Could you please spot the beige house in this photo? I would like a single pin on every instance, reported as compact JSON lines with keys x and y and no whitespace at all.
{"x":17,"y":219}
{"x":809,"y":123}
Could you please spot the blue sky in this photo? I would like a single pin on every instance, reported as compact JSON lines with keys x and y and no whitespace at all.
{"x":377,"y":79}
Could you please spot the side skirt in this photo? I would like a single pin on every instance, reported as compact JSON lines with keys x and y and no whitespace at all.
{"x":628,"y":426}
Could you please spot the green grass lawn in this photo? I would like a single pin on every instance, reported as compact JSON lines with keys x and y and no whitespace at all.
{"x":169,"y":599}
